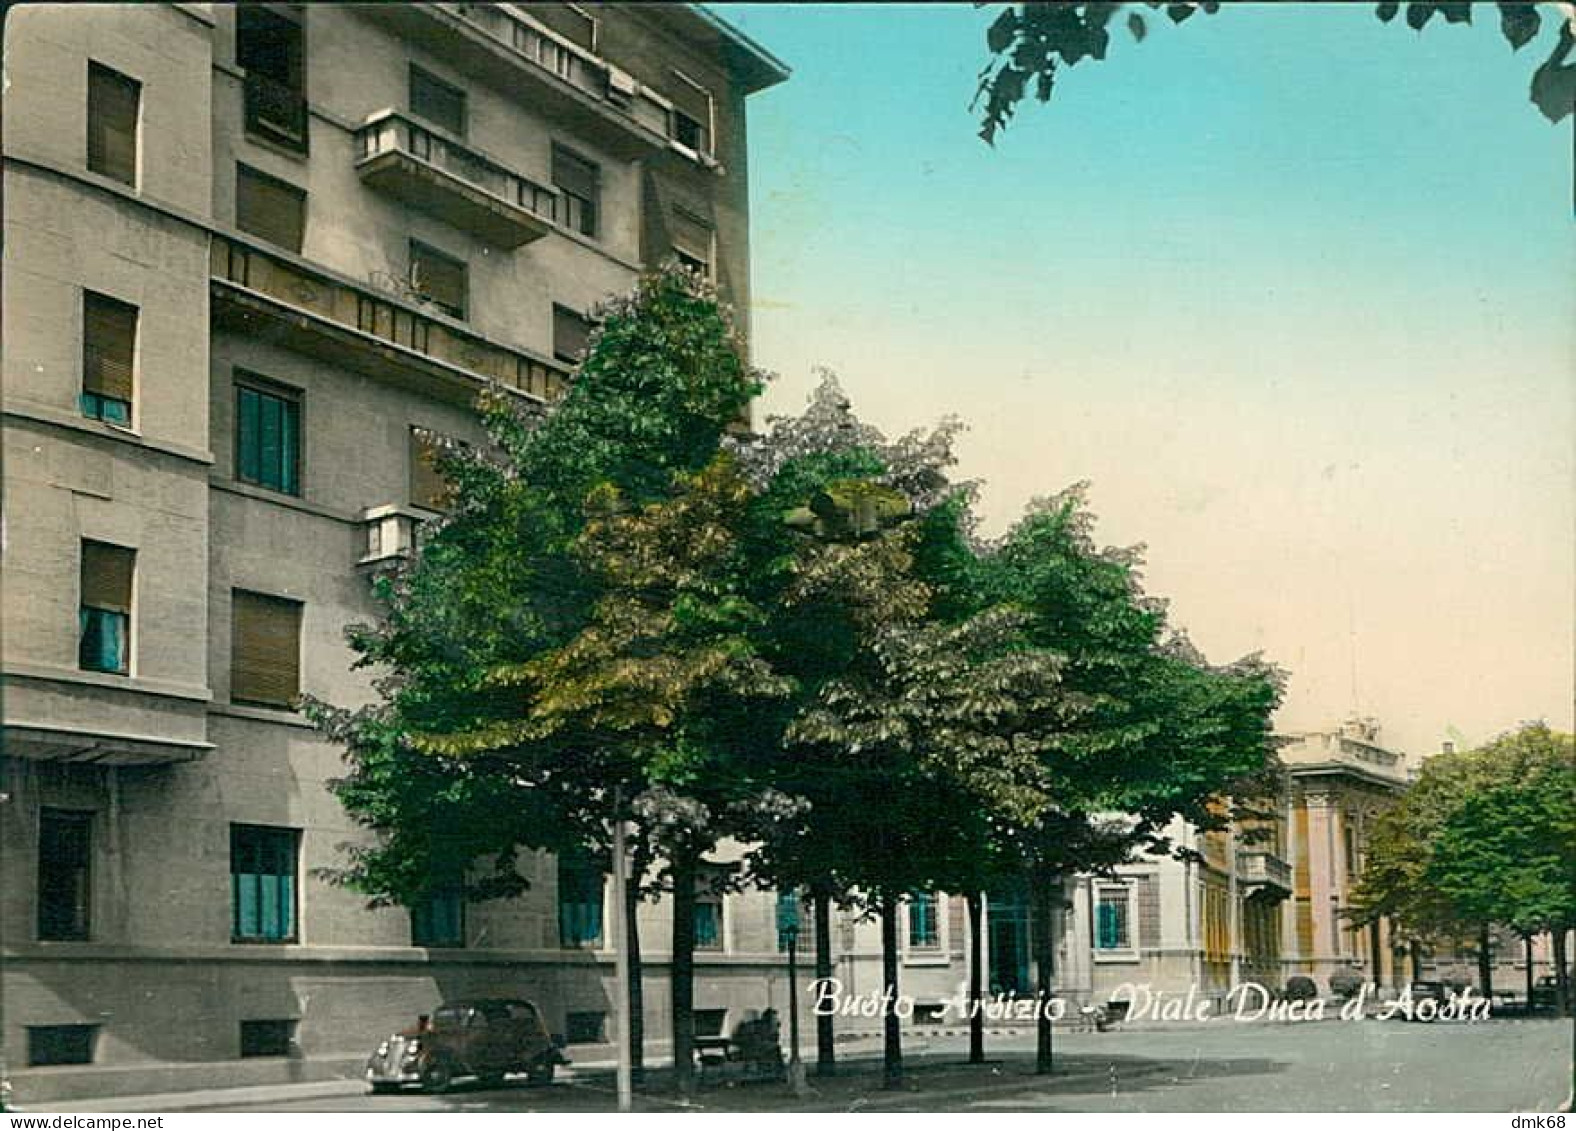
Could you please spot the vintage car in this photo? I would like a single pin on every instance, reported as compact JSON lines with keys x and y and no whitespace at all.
{"x":483,"y":1037}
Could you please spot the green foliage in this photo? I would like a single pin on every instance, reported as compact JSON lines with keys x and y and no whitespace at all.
{"x":1030,"y":43}
{"x":1487,"y":835}
{"x":519,"y":580}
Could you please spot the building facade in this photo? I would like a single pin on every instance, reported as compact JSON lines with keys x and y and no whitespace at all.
{"x":254,"y":257}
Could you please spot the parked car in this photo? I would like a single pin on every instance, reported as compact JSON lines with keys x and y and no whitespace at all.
{"x":483,"y":1037}
{"x":1546,"y":993}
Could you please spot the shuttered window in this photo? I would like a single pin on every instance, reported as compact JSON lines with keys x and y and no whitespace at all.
{"x":263,"y":883}
{"x":439,"y":278}
{"x":105,"y":623}
{"x":112,"y":123}
{"x":265,"y":649}
{"x":580,"y":182}
{"x":109,"y":350}
{"x":268,"y":435}
{"x":436,"y":101}
{"x":269,"y":208}
{"x":428,"y":487}
{"x":691,"y":113}
{"x":692,"y":236}
{"x":579,"y":902}
{"x":571,"y":334}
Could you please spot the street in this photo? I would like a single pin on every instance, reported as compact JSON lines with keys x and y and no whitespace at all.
{"x":1501,"y":1065}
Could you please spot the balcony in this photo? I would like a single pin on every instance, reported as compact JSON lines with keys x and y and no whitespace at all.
{"x":586,"y":93}
{"x":383,"y":331}
{"x":1264,"y":874}
{"x":440,"y":176}
{"x":275,"y":111}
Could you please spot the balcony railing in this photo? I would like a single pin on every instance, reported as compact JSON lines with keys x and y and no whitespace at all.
{"x":440,"y":175}
{"x":591,"y":76}
{"x":276,"y":111}
{"x":1264,"y":870}
{"x":380,"y":331}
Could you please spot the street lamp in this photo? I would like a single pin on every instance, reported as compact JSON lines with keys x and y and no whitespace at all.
{"x":788,"y":934}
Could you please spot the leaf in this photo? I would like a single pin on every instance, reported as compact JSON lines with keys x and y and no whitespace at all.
{"x":1388,"y":11}
{"x":1179,"y":12}
{"x":1042,"y":85}
{"x":1136,"y":25}
{"x":1002,"y":31}
{"x":1554,"y":83}
{"x":1519,"y":23}
{"x":1459,"y":13}
{"x":1418,"y":15}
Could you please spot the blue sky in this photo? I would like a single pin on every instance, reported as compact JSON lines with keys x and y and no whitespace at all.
{"x":1291,"y":287}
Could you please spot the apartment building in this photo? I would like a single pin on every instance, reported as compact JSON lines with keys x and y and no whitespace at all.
{"x":254,"y":255}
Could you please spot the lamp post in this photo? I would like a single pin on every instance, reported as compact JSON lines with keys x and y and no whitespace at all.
{"x":788,"y":932}
{"x":625,"y":1074}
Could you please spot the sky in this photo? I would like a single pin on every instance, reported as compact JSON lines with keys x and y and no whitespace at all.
{"x":1293,"y":289}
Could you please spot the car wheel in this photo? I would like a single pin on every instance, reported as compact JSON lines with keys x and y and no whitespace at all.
{"x":436,"y":1075}
{"x":541,"y":1073}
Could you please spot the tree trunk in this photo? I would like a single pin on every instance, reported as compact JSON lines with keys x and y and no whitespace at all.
{"x":821,"y":908}
{"x":1485,"y":963}
{"x":976,"y":904}
{"x":1562,"y":976}
{"x":681,"y":983}
{"x":1526,"y":948}
{"x":637,"y":1021}
{"x":892,"y":1050}
{"x":1042,"y":894}
{"x":1414,"y":950}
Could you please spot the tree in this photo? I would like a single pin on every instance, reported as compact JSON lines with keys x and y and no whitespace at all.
{"x":1160,"y":732}
{"x":1032,"y":43}
{"x":493,"y":719}
{"x":1485,"y":836}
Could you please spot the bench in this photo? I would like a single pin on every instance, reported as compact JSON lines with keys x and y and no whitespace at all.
{"x":744,"y":1037}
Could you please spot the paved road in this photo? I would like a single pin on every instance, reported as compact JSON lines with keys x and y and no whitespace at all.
{"x":1501,"y":1065}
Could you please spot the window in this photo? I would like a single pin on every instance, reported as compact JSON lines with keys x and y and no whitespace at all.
{"x":428,"y":487}
{"x":265,"y":649}
{"x":113,"y":104}
{"x":271,"y":49}
{"x":267,"y":1038}
{"x":438,"y":919}
{"x":1113,"y":919}
{"x":693,"y":238}
{"x":109,"y":350}
{"x":586,"y":1028}
{"x":65,"y":850}
{"x":436,"y":101}
{"x":104,"y":643}
{"x":708,"y":910}
{"x":691,"y":114}
{"x":263,"y":883}
{"x":924,"y":932}
{"x":438,"y":278}
{"x":270,"y":208}
{"x":580,"y":182}
{"x":579,"y":902}
{"x":571,"y":334}
{"x":60,"y":1044}
{"x":267,"y":435}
